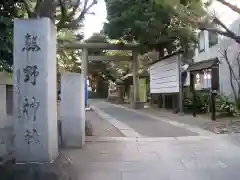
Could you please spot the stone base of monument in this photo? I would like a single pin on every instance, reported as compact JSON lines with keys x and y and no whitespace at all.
{"x":61,"y":168}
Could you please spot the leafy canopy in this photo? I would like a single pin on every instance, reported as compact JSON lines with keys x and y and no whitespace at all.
{"x":66,"y":16}
{"x":110,"y":70}
{"x":154,"y":24}
{"x":8,"y":11}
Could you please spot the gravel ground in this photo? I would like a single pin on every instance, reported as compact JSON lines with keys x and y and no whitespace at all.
{"x":224,"y":126}
{"x":101,"y":127}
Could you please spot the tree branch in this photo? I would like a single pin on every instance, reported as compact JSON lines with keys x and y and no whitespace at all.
{"x":231,"y":6}
{"x":86,"y":8}
{"x":238,"y":61}
{"x":63,"y":12}
{"x":227,"y":32}
{"x":219,"y":22}
{"x":75,"y":7}
{"x":28,"y":8}
{"x":231,"y":73}
{"x":37,"y":6}
{"x":215,"y":30}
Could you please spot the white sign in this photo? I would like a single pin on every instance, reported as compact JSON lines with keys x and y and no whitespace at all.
{"x":164,"y":76}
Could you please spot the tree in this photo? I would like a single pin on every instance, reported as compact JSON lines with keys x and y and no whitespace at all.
{"x":209,"y":22}
{"x":8,"y":11}
{"x":68,"y":59}
{"x":111,"y":70}
{"x":153,"y":24}
{"x":65,"y":13}
{"x":67,"y":17}
{"x":232,"y":60}
{"x":222,"y":29}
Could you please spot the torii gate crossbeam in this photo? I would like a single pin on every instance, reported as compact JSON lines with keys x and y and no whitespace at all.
{"x":107,"y":46}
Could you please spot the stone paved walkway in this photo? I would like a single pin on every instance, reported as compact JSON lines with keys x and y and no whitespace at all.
{"x":142,"y":124}
{"x":101,"y":127}
{"x":183,"y":158}
{"x":226,"y":125}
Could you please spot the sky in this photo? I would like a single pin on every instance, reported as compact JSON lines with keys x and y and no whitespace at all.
{"x":94,"y":23}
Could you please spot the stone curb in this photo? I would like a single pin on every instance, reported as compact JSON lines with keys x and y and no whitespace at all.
{"x":153,"y":139}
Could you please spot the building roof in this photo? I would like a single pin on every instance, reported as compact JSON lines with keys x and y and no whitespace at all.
{"x":207,"y":64}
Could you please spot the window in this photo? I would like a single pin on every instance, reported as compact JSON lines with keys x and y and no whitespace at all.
{"x":203,"y":80}
{"x":201,"y":41}
{"x":213,"y":38}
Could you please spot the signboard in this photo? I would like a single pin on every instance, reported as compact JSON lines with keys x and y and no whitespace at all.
{"x":164,"y":76}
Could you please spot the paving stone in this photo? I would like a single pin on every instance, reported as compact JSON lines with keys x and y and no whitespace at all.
{"x":226,"y":173}
{"x":143,"y":125}
{"x":102,"y":147}
{"x":144,"y":176}
{"x":203,"y":163}
{"x":190,"y":175}
{"x":92,"y":175}
{"x":200,"y":158}
{"x":100,"y":127}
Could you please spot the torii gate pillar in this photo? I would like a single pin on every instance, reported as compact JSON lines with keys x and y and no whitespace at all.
{"x":136,"y":100}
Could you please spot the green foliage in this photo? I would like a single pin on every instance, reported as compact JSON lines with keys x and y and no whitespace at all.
{"x":68,"y":59}
{"x":66,"y":14}
{"x":8,"y":11}
{"x":110,"y":70}
{"x":226,"y":106}
{"x":67,"y":18}
{"x":201,"y":104}
{"x":155,"y":25}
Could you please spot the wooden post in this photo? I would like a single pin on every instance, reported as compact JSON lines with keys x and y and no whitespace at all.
{"x":214,"y":87}
{"x":163,"y":101}
{"x":213,"y":104}
{"x":135,"y":80}
{"x":180,"y":95}
{"x":192,"y":86}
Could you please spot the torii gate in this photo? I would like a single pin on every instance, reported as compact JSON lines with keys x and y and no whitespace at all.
{"x":107,"y":46}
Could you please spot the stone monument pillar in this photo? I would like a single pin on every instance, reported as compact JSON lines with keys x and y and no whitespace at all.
{"x":71,"y":108}
{"x":35,"y":100}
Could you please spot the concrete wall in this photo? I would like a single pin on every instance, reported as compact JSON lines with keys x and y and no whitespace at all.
{"x":6,"y":120}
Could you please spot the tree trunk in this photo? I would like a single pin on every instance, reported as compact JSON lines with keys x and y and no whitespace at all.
{"x":160,"y":52}
{"x":47,"y":9}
